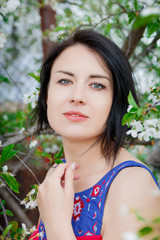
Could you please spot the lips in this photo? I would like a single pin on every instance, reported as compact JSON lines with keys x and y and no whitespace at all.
{"x":75,"y":116}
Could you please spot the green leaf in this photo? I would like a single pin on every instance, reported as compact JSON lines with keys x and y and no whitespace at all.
{"x":131,"y":16}
{"x":59,"y":154}
{"x":108,"y":28}
{"x":8,"y":213}
{"x":7,"y":229}
{"x":57,"y":29}
{"x":58,"y":161}
{"x":35,"y":76}
{"x":136,"y":5}
{"x":4,"y":79}
{"x":11,"y":182}
{"x":3,"y":202}
{"x":128,"y":117}
{"x":68,"y":12}
{"x":139,"y":111}
{"x":14,"y":225}
{"x":131,"y":100}
{"x":46,"y":155}
{"x":142,"y":21}
{"x":152,"y":27}
{"x":144,"y":231}
{"x":7,"y":153}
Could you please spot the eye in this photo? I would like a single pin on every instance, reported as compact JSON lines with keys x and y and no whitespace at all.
{"x":64,"y":81}
{"x":98,"y":86}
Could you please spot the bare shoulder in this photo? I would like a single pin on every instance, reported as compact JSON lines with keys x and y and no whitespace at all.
{"x":133,"y":190}
{"x":133,"y":183}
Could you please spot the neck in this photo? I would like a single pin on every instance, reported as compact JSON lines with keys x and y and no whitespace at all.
{"x":86,"y":153}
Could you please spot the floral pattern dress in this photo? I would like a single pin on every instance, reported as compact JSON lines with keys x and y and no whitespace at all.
{"x":89,"y":206}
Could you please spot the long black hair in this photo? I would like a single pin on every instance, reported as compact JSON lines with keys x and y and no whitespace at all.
{"x":114,"y":135}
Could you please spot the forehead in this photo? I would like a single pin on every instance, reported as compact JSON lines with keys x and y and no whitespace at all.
{"x":80,"y":57}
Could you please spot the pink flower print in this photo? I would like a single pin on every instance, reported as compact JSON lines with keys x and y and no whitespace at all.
{"x":95,"y":191}
{"x":78,"y":205}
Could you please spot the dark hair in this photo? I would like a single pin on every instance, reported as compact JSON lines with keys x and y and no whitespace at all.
{"x":114,"y":135}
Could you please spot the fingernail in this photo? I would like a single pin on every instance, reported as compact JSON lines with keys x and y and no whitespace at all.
{"x":73,"y":166}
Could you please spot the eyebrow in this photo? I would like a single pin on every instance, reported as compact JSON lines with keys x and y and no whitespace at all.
{"x":91,"y":76}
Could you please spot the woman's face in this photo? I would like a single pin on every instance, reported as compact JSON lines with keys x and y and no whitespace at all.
{"x":80,"y":94}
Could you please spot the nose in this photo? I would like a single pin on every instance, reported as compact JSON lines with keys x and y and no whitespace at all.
{"x":78,"y":94}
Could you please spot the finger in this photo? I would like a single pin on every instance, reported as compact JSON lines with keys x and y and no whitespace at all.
{"x":51,"y":170}
{"x":69,"y":177}
{"x":60,"y":171}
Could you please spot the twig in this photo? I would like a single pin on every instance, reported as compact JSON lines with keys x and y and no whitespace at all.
{"x":16,"y":169}
{"x":30,"y":132}
{"x":28,"y":169}
{"x":5,"y":217}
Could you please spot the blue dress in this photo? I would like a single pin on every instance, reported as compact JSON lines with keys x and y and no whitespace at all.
{"x":89,"y":205}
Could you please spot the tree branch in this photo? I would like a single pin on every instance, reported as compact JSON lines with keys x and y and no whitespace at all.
{"x":146,"y":51}
{"x":15,"y":208}
{"x":18,"y":137}
{"x":132,"y":41}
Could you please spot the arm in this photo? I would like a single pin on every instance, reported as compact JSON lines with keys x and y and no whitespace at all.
{"x":131,"y":190}
{"x":55,"y":202}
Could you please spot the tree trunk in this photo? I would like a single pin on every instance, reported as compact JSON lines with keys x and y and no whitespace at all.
{"x":48,"y":18}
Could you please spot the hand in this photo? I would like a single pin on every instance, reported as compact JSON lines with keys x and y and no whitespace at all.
{"x":56,"y":199}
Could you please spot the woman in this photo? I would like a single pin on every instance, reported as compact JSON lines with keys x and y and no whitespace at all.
{"x":85,"y":82}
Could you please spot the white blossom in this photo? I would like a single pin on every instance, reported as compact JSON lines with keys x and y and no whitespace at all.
{"x":31,"y":204}
{"x":150,"y":122}
{"x":150,"y":11}
{"x":9,"y":6}
{"x":158,"y":43}
{"x":136,"y":128}
{"x":23,"y":202}
{"x":5,"y":168}
{"x":5,"y":117}
{"x":3,"y":40}
{"x":33,"y":144}
{"x":154,"y":98}
{"x":129,"y":236}
{"x":31,"y":98}
{"x":32,"y":229}
{"x":132,"y":132}
{"x":129,"y":108}
{"x":26,"y":232}
{"x":32,"y":191}
{"x":0,"y":143}
{"x":22,"y":130}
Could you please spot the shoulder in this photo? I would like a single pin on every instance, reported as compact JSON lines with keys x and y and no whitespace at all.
{"x":131,"y":191}
{"x":133,"y":181}
{"x":134,"y":188}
